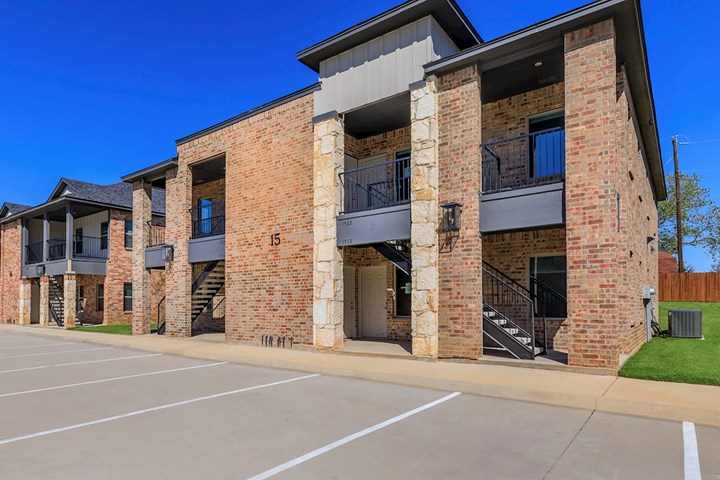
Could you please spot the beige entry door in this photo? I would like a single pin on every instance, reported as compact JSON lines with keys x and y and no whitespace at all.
{"x":373,"y":302}
{"x":349,"y":302}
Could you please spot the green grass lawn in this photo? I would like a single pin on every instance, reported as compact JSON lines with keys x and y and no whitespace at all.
{"x":678,"y":359}
{"x":113,"y":329}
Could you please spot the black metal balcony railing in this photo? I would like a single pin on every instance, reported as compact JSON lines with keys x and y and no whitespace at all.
{"x":527,"y":160}
{"x":56,"y":248}
{"x":33,"y":253}
{"x":377,"y":186}
{"x":208,"y":220}
{"x":83,"y":247}
{"x":156,"y":236}
{"x":89,"y":247}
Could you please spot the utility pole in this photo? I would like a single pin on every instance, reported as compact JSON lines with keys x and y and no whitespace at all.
{"x":678,"y":211}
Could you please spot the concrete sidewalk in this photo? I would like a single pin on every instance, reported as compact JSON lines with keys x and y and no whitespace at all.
{"x":603,"y":393}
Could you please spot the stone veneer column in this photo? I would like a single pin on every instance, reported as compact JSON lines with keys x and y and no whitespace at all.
{"x":142,"y":216}
{"x":591,"y":202}
{"x":178,"y":273}
{"x":69,"y":299}
{"x":24,"y":305}
{"x":44,"y":301}
{"x":424,"y":196}
{"x":328,"y":296}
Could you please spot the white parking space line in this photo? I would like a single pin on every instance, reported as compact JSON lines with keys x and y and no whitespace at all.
{"x":692,"y":460}
{"x":23,"y":369}
{"x":107,"y":360}
{"x":112,"y":379}
{"x":115,"y":359}
{"x":57,"y":353}
{"x":14,"y":347}
{"x":16,"y":338}
{"x":332,"y":446}
{"x":152,"y":409}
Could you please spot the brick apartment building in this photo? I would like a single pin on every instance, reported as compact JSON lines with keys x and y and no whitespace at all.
{"x":433,"y":187}
{"x":69,"y":260}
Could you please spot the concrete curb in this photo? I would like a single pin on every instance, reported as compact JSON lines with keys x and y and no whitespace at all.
{"x":658,"y":400}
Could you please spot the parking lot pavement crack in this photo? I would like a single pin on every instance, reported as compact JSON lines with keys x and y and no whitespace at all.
{"x":572,"y":440}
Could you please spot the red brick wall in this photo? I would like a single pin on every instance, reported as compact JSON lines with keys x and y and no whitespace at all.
{"x":460,"y":258}
{"x":89,"y":284}
{"x":388,"y":143}
{"x":214,"y":190}
{"x":119,"y":270}
{"x":269,"y":190}
{"x":591,"y":199}
{"x":10,"y":271}
{"x":637,"y":258}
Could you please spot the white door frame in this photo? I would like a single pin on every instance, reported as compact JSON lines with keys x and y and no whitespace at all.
{"x":360,"y":306}
{"x":350,"y":299}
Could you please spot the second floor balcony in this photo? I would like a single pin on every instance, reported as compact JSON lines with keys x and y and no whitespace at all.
{"x":208,"y":232}
{"x":83,"y":247}
{"x":208,"y":219}
{"x":528,"y":160}
{"x":523,"y":181}
{"x":376,"y":203}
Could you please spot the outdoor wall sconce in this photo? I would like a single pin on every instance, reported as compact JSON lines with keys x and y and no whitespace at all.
{"x":168,"y":252}
{"x":40,"y":270}
{"x":452,"y":211}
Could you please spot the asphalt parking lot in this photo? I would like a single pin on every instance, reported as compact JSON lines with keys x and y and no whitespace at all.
{"x":74,"y":410}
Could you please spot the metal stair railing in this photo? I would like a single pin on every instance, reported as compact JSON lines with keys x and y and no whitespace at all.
{"x":515,"y":305}
{"x":160,"y":325}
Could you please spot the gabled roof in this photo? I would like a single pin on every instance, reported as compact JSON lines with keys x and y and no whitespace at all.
{"x":446,"y":12}
{"x":117,"y":195}
{"x":9,"y":209}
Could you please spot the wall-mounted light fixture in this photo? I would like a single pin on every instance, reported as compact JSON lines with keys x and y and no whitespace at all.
{"x":40,"y":270}
{"x":452,"y":211}
{"x":168,"y":253}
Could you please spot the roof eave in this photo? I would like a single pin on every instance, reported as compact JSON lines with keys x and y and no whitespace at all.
{"x":153,"y":172}
{"x":383,"y":23}
{"x":549,"y":32}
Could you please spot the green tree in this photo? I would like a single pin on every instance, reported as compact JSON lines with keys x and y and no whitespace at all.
{"x":700,"y":217}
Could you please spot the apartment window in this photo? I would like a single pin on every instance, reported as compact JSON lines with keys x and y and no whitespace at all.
{"x":127,"y":297}
{"x":78,"y":241}
{"x":104,"y":235}
{"x":128,"y":234}
{"x":205,"y":216}
{"x":547,"y":146}
{"x":100,"y":300}
{"x":551,"y":272}
{"x":403,"y":297}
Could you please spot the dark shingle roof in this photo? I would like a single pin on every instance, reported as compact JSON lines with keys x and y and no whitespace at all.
{"x":117,"y":194}
{"x":14,"y":208}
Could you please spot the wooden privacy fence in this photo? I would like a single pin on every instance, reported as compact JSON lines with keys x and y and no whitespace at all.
{"x":689,"y":287}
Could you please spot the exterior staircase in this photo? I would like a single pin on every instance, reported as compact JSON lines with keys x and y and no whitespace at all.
{"x":204,"y":289}
{"x":207,"y":285}
{"x":398,"y":252}
{"x":57,"y":301}
{"x":514,"y":316}
{"x":511,"y":336}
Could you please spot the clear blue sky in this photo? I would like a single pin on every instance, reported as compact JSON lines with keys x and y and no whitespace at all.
{"x":95,"y":90}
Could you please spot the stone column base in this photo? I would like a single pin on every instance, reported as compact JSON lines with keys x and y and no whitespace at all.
{"x":70,"y":299}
